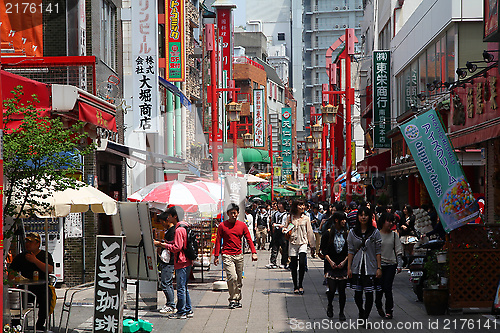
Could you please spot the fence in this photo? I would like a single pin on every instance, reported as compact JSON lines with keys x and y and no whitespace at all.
{"x":474,"y":260}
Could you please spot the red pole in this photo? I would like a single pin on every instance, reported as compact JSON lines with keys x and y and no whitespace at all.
{"x":348,"y":103}
{"x":332,"y":158}
{"x":1,"y":189}
{"x":271,"y":156}
{"x":323,"y":161}
{"x":215,"y":116}
{"x":235,"y":146}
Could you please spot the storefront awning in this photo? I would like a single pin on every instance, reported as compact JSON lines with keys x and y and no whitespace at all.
{"x":375,"y":163}
{"x":247,"y":155}
{"x":90,"y":109}
{"x":148,"y":158}
{"x":174,"y":90}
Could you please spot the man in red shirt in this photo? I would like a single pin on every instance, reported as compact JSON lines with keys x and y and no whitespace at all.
{"x":230,"y":232}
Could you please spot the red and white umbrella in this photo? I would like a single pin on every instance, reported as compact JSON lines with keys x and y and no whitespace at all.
{"x":175,"y":193}
{"x":214,"y":188}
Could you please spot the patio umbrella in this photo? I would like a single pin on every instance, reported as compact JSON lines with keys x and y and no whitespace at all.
{"x":254,"y":179}
{"x":214,"y":188}
{"x":189,"y":197}
{"x":252,"y":191}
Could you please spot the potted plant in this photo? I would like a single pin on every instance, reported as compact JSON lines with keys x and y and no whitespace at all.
{"x":435,"y":296}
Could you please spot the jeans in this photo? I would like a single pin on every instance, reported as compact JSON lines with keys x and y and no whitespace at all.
{"x":183,"y":299}
{"x":388,"y":273}
{"x":166,"y":284}
{"x":233,"y":265}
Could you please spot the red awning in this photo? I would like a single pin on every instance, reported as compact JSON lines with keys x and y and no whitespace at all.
{"x":375,"y":163}
{"x":91,"y":111}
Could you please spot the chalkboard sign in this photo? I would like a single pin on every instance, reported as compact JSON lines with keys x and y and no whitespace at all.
{"x":109,"y":284}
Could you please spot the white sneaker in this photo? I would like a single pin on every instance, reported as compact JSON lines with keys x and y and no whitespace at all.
{"x":168,"y":310}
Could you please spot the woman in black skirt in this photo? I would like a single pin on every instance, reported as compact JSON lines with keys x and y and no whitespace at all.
{"x":364,"y":260}
{"x":334,"y":249}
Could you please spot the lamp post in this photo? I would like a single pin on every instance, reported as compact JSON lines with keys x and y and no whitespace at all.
{"x":328,"y":116}
{"x":310,"y":143}
{"x":248,"y":140}
{"x":233,"y":110}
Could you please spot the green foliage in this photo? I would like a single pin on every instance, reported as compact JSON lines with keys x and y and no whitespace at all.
{"x":37,"y":156}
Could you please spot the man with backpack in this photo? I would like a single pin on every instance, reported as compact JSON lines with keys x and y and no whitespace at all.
{"x":182,"y":264}
{"x":230,"y":233}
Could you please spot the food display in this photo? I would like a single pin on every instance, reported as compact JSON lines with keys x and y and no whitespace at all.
{"x":458,"y":202}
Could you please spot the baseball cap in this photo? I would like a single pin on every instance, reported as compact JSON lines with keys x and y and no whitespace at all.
{"x":33,"y":237}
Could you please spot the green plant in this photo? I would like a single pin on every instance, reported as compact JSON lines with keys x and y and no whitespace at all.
{"x":39,"y":152}
{"x":432,"y":269}
{"x":8,"y":328}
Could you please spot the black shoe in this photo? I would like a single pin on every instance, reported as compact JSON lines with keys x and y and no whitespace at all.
{"x":381,"y":312}
{"x":342,"y":316}
{"x":232,"y":305}
{"x":329,"y":311}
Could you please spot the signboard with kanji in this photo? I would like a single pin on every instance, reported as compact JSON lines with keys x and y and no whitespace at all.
{"x":109,"y":284}
{"x":225,"y":30}
{"x":258,"y":118}
{"x":174,"y":33}
{"x":145,"y":66}
{"x":286,"y":140}
{"x":304,"y":168}
{"x":381,"y":98}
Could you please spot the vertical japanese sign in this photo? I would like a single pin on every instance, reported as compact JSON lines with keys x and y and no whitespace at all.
{"x":381,"y":98}
{"x":108,"y":295}
{"x":259,"y":131}
{"x":442,"y":174}
{"x":145,"y":65}
{"x":225,"y":32}
{"x":235,"y":191}
{"x":286,"y":140}
{"x":174,"y":32}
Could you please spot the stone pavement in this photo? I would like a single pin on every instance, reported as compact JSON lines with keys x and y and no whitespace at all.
{"x":269,"y":305}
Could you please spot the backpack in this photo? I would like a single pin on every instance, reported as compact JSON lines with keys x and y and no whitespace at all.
{"x":192,"y":245}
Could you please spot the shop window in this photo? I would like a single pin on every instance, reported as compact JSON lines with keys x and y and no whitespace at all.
{"x":108,"y":33}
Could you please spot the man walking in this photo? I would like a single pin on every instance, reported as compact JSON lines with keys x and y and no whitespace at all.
{"x":230,"y":233}
{"x":262,"y":227}
{"x":182,"y":264}
{"x":278,"y":222}
{"x":166,"y":262}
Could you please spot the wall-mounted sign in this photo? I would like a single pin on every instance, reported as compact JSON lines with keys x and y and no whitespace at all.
{"x":175,"y":36}
{"x":145,"y":66}
{"x":259,"y":131}
{"x":491,"y":21}
{"x":381,"y":98}
{"x":286,"y":140}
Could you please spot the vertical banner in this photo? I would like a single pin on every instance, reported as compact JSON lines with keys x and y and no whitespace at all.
{"x":109,"y":284}
{"x":286,"y":140}
{"x":225,"y":32}
{"x":259,"y":131}
{"x":381,"y":98}
{"x":442,"y":174}
{"x":175,"y":38}
{"x":235,"y":191}
{"x":145,"y":66}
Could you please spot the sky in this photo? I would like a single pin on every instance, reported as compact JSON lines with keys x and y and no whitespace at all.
{"x":239,"y":13}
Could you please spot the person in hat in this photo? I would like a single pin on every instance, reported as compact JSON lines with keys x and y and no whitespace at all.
{"x":30,"y":261}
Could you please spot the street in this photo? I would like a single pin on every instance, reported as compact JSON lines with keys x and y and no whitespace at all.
{"x":269,"y":305}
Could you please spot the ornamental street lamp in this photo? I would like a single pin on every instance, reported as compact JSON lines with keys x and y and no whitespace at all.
{"x":233,"y":111}
{"x":301,"y":153}
{"x":317,"y":131}
{"x":310,"y":145}
{"x":310,"y":142}
{"x":248,"y":140}
{"x":329,"y":114}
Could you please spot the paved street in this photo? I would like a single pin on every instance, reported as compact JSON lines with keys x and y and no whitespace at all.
{"x":269,"y":305}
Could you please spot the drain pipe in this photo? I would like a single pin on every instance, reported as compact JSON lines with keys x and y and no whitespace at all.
{"x":169,"y":131}
{"x":178,"y":123}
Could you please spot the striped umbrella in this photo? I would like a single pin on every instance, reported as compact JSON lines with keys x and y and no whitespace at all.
{"x":214,"y":188}
{"x":189,"y":197}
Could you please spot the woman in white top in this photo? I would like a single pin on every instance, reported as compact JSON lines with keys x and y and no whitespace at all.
{"x":392,"y":262}
{"x":301,"y":235}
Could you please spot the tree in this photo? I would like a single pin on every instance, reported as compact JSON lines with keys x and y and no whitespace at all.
{"x":39,"y":153}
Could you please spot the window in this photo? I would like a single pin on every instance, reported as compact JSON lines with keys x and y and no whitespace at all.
{"x":281,"y":36}
{"x":108,"y":33}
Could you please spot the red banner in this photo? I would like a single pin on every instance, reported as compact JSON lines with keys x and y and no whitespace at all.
{"x":93,"y":115}
{"x":225,"y":32}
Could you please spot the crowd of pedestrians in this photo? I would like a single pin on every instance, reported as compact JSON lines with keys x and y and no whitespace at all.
{"x":362,"y":248}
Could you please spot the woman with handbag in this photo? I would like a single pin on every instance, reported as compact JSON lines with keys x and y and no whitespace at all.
{"x":334,"y":250}
{"x":364,"y":260}
{"x":300,"y":235}
{"x":391,"y":263}
{"x":407,"y":234}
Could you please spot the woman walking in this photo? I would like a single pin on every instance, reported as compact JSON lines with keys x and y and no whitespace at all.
{"x":407,"y":234}
{"x":334,"y":249}
{"x":301,"y":235}
{"x":364,"y":260}
{"x":391,"y":262}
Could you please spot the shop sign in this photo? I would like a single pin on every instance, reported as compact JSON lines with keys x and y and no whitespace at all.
{"x":440,"y":170}
{"x":378,"y":182}
{"x":176,"y":49}
{"x":381,"y":98}
{"x":108,"y":295}
{"x":259,"y":131}
{"x":225,"y":32}
{"x":145,"y":66}
{"x":286,"y":140}
{"x":304,"y":168}
{"x":491,"y":21}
